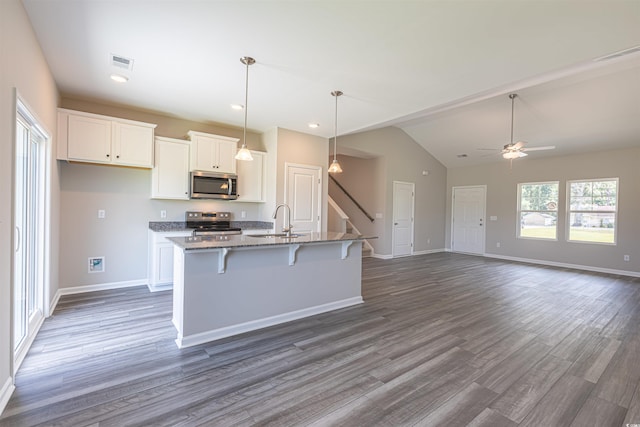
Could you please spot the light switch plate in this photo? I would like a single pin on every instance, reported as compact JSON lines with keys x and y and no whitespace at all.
{"x":493,"y":218}
{"x":101,"y":214}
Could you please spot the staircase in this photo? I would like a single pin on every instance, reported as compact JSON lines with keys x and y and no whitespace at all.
{"x":367,"y":249}
{"x":342,"y":224}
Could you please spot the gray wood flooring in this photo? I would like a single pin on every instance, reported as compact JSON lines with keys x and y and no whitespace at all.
{"x":442,"y":339}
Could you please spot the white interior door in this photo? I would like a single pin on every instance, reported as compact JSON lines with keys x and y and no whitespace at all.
{"x":403,"y":205}
{"x":303,"y":196}
{"x":468,"y":219}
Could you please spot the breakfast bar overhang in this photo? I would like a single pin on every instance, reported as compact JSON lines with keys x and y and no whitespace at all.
{"x":228,"y":285}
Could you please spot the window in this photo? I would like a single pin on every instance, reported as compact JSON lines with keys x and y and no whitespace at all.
{"x":538,"y":210}
{"x":593,"y":210}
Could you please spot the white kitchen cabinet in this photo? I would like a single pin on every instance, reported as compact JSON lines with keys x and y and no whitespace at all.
{"x":213,"y":153}
{"x":170,"y":174}
{"x":251,"y":181}
{"x":92,"y":138}
{"x":161,"y":259}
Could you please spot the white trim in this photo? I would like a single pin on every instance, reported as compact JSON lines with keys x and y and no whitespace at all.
{"x":253,"y":325}
{"x":337,"y":208}
{"x":26,"y":345}
{"x":429,"y":251}
{"x":101,"y":287}
{"x":160,"y":287}
{"x":5,"y":393}
{"x":380,"y":256}
{"x":564,"y":265}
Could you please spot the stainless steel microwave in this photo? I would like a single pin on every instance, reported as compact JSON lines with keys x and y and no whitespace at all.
{"x":213,"y":185}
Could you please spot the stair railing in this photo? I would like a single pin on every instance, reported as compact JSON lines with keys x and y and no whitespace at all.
{"x":352,"y":199}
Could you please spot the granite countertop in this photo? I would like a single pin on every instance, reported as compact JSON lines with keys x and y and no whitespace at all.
{"x":240,"y":241}
{"x":164,"y":226}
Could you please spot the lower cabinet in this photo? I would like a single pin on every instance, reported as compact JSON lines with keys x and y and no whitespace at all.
{"x":160,"y":269}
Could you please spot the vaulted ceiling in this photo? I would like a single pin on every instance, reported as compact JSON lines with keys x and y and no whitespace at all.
{"x":440,"y":70}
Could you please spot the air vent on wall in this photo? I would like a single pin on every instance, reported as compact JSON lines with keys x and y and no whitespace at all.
{"x":121,"y":62}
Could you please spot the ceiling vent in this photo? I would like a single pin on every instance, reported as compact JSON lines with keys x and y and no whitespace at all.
{"x":121,"y":62}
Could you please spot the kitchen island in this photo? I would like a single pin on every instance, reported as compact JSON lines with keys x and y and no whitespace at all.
{"x":227,"y":285}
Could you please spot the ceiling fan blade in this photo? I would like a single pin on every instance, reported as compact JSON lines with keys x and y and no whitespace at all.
{"x":522,"y":154}
{"x":518,"y":145}
{"x":489,"y":149}
{"x":547,"y":147}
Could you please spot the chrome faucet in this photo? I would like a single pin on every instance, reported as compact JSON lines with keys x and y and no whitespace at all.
{"x":287,"y":221}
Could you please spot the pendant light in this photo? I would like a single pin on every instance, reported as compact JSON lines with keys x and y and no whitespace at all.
{"x":335,"y":166}
{"x":243,"y":152}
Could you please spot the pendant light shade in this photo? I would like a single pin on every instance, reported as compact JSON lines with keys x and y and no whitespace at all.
{"x":243,"y":152}
{"x":335,"y":166}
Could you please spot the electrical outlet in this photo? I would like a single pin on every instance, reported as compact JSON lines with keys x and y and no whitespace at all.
{"x":428,"y":241}
{"x":101,"y":213}
{"x":243,"y":214}
{"x":163,"y":214}
{"x":626,"y":257}
{"x":497,"y":244}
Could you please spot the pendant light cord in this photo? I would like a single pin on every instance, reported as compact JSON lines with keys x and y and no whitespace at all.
{"x":246,"y":100}
{"x":335,"y":137}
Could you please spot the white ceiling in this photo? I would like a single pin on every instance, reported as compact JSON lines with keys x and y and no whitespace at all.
{"x":440,"y":70}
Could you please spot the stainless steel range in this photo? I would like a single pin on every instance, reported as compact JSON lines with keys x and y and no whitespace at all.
{"x":210,"y":223}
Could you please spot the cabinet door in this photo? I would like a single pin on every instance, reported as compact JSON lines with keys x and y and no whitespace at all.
{"x":89,"y":139}
{"x":204,"y":154}
{"x":170,"y":176}
{"x":164,"y":252}
{"x":133,"y":145}
{"x":226,"y":156}
{"x":251,"y":178}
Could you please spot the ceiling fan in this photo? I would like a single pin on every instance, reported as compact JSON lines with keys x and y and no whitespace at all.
{"x":516,"y":150}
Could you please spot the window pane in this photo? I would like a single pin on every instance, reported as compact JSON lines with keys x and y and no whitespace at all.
{"x":539,"y":225}
{"x":539,"y":197}
{"x":592,"y":227}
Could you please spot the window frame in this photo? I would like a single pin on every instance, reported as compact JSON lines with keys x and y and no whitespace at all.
{"x":520,"y":211}
{"x":570,"y":211}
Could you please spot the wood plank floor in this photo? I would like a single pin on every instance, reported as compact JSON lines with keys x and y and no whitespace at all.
{"x":442,"y":339}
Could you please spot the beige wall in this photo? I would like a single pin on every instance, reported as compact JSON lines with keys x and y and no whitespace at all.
{"x":404,"y":160}
{"x":502,"y":181}
{"x":23,"y":67}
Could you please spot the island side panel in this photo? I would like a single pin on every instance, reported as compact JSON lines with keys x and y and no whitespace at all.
{"x":259,"y":287}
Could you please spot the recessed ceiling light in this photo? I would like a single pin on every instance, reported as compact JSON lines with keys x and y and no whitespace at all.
{"x":237,"y":106}
{"x":314,"y":125}
{"x":119,"y":78}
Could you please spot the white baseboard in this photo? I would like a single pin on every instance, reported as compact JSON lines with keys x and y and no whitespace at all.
{"x":425,"y":252}
{"x":159,"y":288}
{"x":93,"y":288}
{"x":428,"y":251}
{"x":253,"y":325}
{"x":5,"y":393}
{"x":565,"y":265}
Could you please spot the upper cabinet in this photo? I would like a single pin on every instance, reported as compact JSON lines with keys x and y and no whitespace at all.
{"x":170,"y":176}
{"x":213,"y":153}
{"x":92,"y":138}
{"x":251,"y":181}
